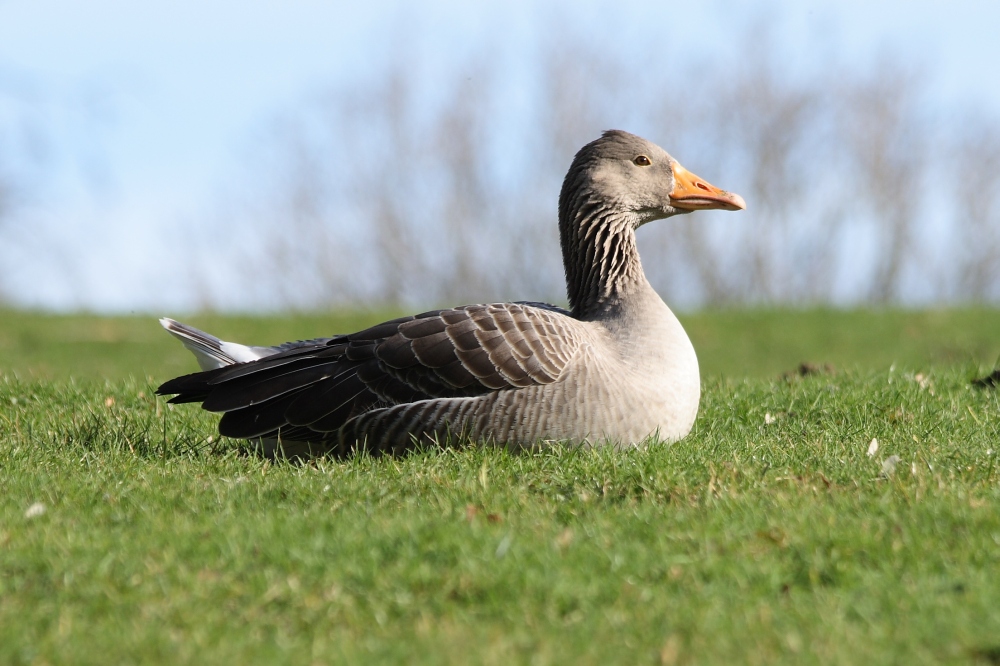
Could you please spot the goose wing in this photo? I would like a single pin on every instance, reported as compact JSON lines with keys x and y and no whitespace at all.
{"x":318,"y":386}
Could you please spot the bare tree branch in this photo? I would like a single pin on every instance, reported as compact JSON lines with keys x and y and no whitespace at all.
{"x":407,"y":189}
{"x":976,"y":207}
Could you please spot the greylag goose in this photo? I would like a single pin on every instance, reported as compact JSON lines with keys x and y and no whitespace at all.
{"x":617,"y":367}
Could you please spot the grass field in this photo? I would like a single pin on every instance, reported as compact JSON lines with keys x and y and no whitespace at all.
{"x":130,"y":534}
{"x":738,"y":344}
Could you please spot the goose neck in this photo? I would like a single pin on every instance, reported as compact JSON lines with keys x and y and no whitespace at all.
{"x":601,"y":260}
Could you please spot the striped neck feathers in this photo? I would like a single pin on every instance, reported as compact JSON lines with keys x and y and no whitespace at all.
{"x":599,"y":256}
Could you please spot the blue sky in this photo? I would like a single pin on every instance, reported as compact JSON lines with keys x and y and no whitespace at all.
{"x":148,"y":109}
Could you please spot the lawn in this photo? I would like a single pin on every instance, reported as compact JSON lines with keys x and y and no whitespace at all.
{"x":775,"y":533}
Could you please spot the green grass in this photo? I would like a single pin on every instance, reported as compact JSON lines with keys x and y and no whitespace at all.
{"x":767,"y":536}
{"x":731,"y":343}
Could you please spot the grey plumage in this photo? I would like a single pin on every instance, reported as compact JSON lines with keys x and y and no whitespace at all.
{"x":616,"y":367}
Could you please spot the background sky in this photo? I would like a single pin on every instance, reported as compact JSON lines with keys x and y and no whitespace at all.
{"x":136,"y":115}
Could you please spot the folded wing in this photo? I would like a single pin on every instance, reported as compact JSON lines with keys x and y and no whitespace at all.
{"x":310,"y":391}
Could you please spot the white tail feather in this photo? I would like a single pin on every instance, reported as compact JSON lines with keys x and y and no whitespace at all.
{"x":210,"y":351}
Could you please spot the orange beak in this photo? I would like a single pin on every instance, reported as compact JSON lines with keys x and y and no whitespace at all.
{"x":692,"y":193}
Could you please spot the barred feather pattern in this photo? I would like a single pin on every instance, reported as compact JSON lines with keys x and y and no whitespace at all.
{"x":604,"y":264}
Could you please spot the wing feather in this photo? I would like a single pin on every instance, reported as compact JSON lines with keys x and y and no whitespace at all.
{"x":255,"y":421}
{"x":317,"y":387}
{"x":435,"y":350}
{"x":325,"y":398}
{"x":268,"y":385}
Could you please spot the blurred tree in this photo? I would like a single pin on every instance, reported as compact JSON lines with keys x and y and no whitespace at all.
{"x":975,"y":203}
{"x":420,"y":189}
{"x":888,"y":147}
{"x":21,"y":155}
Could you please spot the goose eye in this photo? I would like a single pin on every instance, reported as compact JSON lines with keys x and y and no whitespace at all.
{"x":642,"y":160}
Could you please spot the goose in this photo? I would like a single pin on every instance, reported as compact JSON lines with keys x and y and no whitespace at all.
{"x":615,"y":368}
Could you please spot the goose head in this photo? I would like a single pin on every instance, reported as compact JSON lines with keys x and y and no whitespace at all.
{"x":629,"y":176}
{"x":616,"y":184}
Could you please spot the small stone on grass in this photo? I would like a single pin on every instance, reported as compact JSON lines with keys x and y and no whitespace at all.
{"x":35,"y":510}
